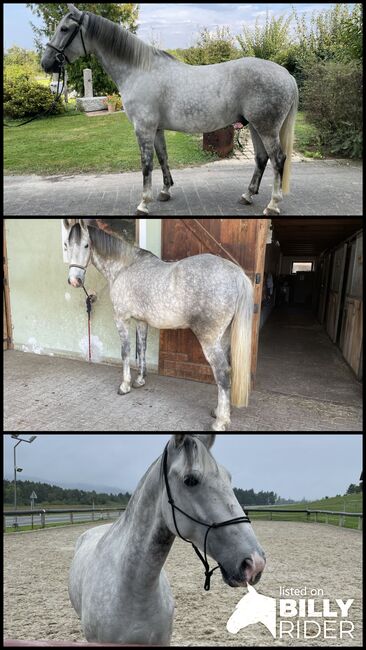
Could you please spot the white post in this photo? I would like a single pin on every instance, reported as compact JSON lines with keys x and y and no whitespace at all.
{"x":88,"y":82}
{"x":143,"y":233}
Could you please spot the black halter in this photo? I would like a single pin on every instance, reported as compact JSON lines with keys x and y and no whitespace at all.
{"x":61,"y":56}
{"x":239,"y":520}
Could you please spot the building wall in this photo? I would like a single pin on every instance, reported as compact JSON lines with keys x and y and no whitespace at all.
{"x":48,"y":316}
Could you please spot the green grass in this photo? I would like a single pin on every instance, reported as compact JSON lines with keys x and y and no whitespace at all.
{"x":306,"y":138}
{"x":75,"y":143}
{"x":347,"y":503}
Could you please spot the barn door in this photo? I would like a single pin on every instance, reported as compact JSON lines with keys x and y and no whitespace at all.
{"x":242,"y":239}
{"x":324,"y":284}
{"x":335,"y":295}
{"x":351,"y":339}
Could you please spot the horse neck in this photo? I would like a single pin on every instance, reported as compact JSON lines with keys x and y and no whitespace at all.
{"x":111,"y":268}
{"x":148,"y":539}
{"x":115,"y":67}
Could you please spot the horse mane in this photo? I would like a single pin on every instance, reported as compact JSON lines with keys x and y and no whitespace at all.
{"x":120,"y":42}
{"x":106,"y":245}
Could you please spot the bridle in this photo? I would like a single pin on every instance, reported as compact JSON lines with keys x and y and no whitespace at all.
{"x":61,"y":56}
{"x":239,"y":520}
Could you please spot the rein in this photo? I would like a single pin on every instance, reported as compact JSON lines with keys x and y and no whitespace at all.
{"x":239,"y":520}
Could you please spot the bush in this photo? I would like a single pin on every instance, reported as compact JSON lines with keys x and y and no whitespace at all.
{"x":23,"y":98}
{"x":332,"y":101}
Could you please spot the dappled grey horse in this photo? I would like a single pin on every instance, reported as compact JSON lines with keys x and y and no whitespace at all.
{"x":159,"y":92}
{"x":208,"y":294}
{"x":117,"y":584}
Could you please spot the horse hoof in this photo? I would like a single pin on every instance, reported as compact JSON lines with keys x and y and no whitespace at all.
{"x":213,"y":414}
{"x":269,"y":212}
{"x":245,"y":201}
{"x":120,"y":392}
{"x":164,"y":196}
{"x":218,"y":426}
{"x":141,"y":213}
{"x":137,"y":384}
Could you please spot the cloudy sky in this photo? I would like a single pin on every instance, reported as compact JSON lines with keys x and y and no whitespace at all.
{"x":294,"y":466}
{"x":170,"y":25}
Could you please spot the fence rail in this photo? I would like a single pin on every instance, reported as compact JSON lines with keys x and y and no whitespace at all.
{"x":102,"y":513}
{"x":75,"y":515}
{"x":308,"y":512}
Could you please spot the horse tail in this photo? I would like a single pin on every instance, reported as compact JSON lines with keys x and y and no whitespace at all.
{"x":287,"y":140}
{"x":241,"y":346}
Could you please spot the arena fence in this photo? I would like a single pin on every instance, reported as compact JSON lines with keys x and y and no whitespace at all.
{"x":73,"y":516}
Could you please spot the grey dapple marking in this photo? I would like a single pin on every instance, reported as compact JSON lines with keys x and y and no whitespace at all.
{"x":159,"y":92}
{"x":117,"y":583}
{"x":208,"y":294}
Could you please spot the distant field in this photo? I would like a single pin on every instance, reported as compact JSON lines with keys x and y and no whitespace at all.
{"x":347,"y":503}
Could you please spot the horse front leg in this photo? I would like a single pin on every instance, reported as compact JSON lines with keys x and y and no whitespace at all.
{"x":123,"y":327}
{"x":142,"y":329}
{"x":146,"y":143}
{"x":161,"y":152}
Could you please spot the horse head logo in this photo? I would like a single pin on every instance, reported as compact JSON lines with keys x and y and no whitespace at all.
{"x":253,"y":608}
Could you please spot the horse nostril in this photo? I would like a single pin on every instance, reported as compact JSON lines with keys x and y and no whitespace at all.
{"x":190,"y":481}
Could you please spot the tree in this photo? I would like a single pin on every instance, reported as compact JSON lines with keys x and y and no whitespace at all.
{"x":20,"y":63}
{"x":125,"y":14}
{"x":215,"y":47}
{"x":271,"y":42}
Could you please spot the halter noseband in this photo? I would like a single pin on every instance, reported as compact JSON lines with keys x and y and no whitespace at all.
{"x":61,"y":56}
{"x":239,"y":520}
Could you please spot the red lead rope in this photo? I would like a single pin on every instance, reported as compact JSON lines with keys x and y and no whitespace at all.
{"x":89,"y":310}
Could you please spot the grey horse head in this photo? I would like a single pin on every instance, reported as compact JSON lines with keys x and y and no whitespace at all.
{"x":202,"y":488}
{"x":67,"y":38}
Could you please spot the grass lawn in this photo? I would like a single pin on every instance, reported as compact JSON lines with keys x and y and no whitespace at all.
{"x":75,"y":143}
{"x":306,"y":138}
{"x":346,"y":503}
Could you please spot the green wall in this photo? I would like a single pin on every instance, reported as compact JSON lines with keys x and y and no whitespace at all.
{"x":48,"y":316}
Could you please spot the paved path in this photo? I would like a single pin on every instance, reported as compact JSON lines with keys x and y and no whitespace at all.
{"x":318,"y":188}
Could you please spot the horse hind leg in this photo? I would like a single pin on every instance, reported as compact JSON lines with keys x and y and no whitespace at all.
{"x":261,"y":159}
{"x":277,"y":158}
{"x":161,"y":152}
{"x":219,"y":363}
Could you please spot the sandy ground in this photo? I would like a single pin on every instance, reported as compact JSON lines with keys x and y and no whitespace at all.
{"x":300,"y":555}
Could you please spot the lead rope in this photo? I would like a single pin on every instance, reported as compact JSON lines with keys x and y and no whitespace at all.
{"x":89,"y":302}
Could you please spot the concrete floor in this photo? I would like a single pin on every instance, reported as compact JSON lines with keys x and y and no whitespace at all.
{"x":303,"y":384}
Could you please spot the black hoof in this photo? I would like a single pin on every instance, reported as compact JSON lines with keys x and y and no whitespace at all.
{"x":164,"y":197}
{"x":244,"y":201}
{"x":137,"y":386}
{"x":213,"y":414}
{"x":119,"y":392}
{"x":141,"y":213}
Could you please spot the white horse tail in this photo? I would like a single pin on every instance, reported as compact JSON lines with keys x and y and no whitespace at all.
{"x":241,"y":346}
{"x":287,"y":140}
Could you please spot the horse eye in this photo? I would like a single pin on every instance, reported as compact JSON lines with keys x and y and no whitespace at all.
{"x":190,"y":481}
{"x":64,"y":29}
{"x":86,"y":245}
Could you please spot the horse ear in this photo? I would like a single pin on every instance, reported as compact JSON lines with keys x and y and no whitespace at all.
{"x":208,"y":440}
{"x":72,"y":9}
{"x":179,"y":438}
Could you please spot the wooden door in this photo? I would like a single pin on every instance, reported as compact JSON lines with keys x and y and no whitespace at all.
{"x":335,"y":295}
{"x":351,"y":340}
{"x":242,"y":239}
{"x":324,"y":285}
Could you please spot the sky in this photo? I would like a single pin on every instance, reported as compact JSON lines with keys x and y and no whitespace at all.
{"x":292,"y":465}
{"x":169,"y":25}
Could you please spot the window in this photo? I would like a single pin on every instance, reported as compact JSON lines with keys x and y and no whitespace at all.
{"x":302,"y":267}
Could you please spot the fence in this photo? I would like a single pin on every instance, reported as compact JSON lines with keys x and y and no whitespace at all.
{"x":75,"y":515}
{"x":106,"y":513}
{"x":317,"y":515}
